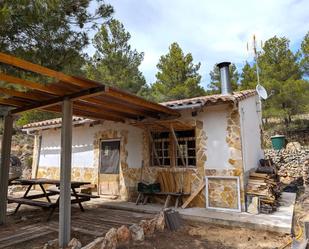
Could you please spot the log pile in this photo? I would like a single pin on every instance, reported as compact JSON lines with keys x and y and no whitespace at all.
{"x":266,"y":188}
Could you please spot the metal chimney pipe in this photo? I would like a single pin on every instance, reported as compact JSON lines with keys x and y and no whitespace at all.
{"x":226,"y":87}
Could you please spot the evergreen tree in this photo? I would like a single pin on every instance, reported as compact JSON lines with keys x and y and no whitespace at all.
{"x":280,"y":73}
{"x":50,"y":33}
{"x":305,"y":55}
{"x":248,"y":77}
{"x":215,"y":84}
{"x":178,"y":76}
{"x":114,"y":62}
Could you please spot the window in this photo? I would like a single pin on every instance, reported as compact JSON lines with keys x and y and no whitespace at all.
{"x":160,"y":154}
{"x":166,"y":152}
{"x":110,"y":157}
{"x":186,"y":141}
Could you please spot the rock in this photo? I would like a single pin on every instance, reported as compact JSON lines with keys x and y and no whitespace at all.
{"x":96,"y":244}
{"x":148,"y":226}
{"x":293,"y":146}
{"x":137,"y":232}
{"x":52,"y":244}
{"x":110,"y":240}
{"x":160,"y":224}
{"x":123,"y":234}
{"x":74,"y":244}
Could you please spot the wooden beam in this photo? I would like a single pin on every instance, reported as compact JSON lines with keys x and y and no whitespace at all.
{"x":153,"y":147}
{"x":102,"y":110}
{"x":85,"y":114}
{"x":50,"y":88}
{"x":5,"y":165}
{"x":194,"y":194}
{"x":34,"y":96}
{"x":118,"y":94}
{"x":26,"y":65}
{"x":178,"y":146}
{"x":57,"y":100}
{"x":12,"y":102}
{"x":65,"y":175}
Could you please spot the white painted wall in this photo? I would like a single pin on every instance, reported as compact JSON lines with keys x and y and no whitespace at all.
{"x":83,"y":138}
{"x":215,"y":124}
{"x":250,"y":118}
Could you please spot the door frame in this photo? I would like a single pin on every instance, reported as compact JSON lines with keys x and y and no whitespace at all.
{"x":100,"y":154}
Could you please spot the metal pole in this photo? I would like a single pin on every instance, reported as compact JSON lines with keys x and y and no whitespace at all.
{"x":5,"y":165}
{"x":65,"y":175}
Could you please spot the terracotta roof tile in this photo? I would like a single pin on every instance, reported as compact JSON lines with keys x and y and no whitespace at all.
{"x":210,"y":99}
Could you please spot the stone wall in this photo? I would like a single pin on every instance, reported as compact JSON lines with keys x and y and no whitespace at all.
{"x":291,"y":163}
{"x":222,"y":193}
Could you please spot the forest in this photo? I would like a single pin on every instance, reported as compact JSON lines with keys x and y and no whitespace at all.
{"x":56,"y":33}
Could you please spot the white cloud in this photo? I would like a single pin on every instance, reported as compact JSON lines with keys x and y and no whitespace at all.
{"x":211,"y":30}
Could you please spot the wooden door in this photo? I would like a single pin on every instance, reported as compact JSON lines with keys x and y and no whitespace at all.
{"x":109,"y":168}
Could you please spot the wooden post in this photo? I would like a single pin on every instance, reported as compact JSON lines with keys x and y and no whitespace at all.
{"x":5,"y":165}
{"x":36,"y":154}
{"x":65,"y":175}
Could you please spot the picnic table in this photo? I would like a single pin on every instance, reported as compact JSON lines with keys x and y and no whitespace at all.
{"x":32,"y":199}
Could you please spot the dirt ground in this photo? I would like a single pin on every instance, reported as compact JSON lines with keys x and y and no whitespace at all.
{"x":191,"y":236}
{"x":205,"y":236}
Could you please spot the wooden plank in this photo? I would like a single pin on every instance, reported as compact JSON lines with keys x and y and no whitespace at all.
{"x":57,"y":100}
{"x":49,"y":88}
{"x":194,"y":194}
{"x":13,"y":102}
{"x":26,"y":65}
{"x":177,"y":144}
{"x":118,"y":94}
{"x":5,"y":165}
{"x":29,"y":237}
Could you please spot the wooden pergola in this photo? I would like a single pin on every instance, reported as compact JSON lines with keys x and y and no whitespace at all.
{"x":91,"y":99}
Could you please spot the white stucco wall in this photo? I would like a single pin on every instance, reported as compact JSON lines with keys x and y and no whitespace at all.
{"x":214,"y":120}
{"x":250,"y":118}
{"x":83,"y":138}
{"x":215,"y":125}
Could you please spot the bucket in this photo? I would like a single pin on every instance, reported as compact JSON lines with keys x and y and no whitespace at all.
{"x":278,"y":142}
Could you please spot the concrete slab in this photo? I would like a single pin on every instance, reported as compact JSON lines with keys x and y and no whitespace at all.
{"x":279,"y":221}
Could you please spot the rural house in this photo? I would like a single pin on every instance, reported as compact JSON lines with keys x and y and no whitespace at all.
{"x":216,"y":139}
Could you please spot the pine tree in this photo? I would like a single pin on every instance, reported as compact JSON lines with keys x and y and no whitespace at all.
{"x":177,"y":76}
{"x":115,"y":63}
{"x":248,"y":78}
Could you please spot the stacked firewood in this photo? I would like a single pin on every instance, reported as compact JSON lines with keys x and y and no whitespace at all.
{"x":266,"y":188}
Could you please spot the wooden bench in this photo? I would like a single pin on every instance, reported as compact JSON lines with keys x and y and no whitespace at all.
{"x":31,"y":202}
{"x":55,"y":191}
{"x":144,"y":197}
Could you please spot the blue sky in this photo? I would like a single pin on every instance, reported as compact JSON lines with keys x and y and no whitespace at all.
{"x":213,"y":31}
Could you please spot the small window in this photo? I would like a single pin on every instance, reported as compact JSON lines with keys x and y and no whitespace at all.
{"x":165,"y":152}
{"x":160,"y":153}
{"x":187,"y":149}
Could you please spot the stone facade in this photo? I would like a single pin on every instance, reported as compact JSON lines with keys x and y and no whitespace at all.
{"x":222,"y":193}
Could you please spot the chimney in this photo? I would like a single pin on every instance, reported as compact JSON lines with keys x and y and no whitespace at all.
{"x":226,"y":87}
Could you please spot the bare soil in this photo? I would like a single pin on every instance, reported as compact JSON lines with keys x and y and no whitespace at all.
{"x":205,"y":236}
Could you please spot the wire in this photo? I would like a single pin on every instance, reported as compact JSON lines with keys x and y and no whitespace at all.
{"x":299,"y":235}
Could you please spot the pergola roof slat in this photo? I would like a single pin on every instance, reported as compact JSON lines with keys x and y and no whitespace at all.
{"x":90,"y":96}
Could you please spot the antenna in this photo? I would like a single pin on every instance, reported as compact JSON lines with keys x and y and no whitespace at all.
{"x":259,"y":88}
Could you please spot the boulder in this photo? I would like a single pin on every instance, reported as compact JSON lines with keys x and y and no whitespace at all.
{"x":137,"y":232}
{"x":148,"y":226}
{"x":123,"y":234}
{"x":74,"y":244}
{"x":52,"y":244}
{"x":110,"y":240}
{"x":96,"y":244}
{"x":160,"y":222}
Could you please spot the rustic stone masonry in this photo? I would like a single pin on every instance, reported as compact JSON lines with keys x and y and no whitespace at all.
{"x":292,"y":164}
